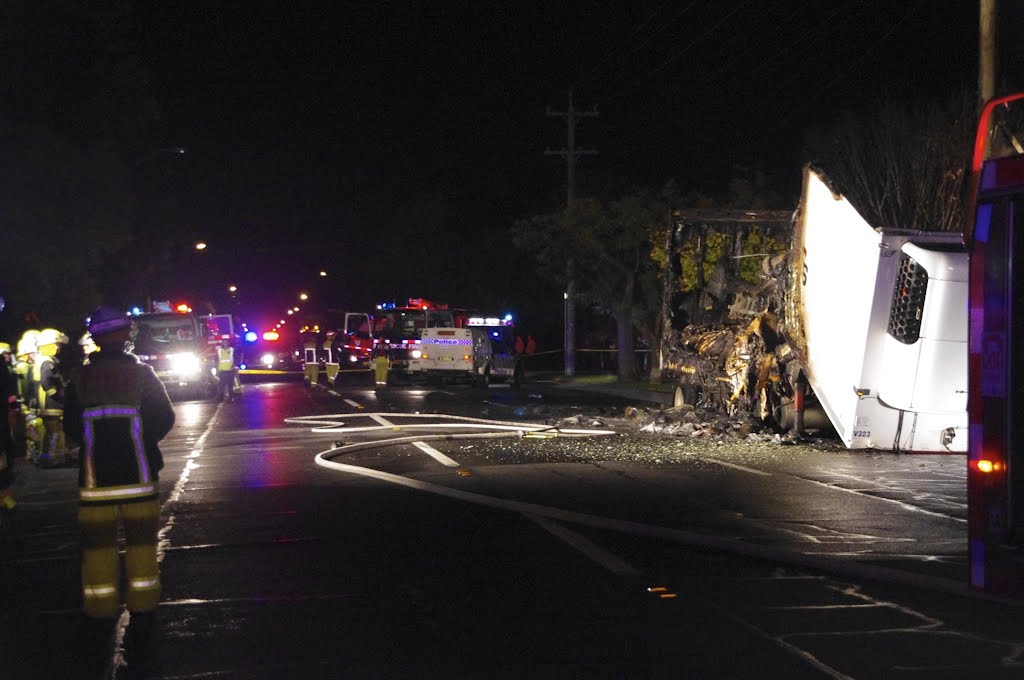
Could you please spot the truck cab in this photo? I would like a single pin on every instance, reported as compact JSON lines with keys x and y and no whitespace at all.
{"x":177,"y":345}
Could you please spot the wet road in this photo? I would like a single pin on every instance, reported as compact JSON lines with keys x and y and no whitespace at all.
{"x":614,"y":556}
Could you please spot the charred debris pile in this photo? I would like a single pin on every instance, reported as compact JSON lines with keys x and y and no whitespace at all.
{"x":736,"y":371}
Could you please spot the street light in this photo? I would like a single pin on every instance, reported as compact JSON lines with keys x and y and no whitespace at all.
{"x":200,"y":245}
{"x":303,"y":296}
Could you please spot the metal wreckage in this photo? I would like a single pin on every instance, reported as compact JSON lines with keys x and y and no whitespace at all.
{"x":856,"y":331}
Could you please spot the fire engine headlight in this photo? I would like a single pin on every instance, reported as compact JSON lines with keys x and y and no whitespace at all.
{"x":185,"y":364}
{"x":353,"y":358}
{"x":415,"y":354}
{"x":267,"y":360}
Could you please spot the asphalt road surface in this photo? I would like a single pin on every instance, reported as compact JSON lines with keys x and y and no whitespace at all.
{"x":515,"y":534}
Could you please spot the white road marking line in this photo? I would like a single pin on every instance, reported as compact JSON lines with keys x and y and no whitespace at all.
{"x":606,"y":559}
{"x":354,"y":404}
{"x":422,"y":446}
{"x":435,"y":454}
{"x":739,"y":467}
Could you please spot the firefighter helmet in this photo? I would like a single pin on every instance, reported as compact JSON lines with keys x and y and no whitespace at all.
{"x":27,"y":343}
{"x":47,"y":341}
{"x":107,"y":319}
{"x":87,"y":344}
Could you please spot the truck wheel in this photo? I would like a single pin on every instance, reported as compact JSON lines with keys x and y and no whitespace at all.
{"x":517,"y":376}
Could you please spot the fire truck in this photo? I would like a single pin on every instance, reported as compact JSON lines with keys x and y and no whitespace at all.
{"x":181,"y":347}
{"x":995,"y":460}
{"x":399,"y":331}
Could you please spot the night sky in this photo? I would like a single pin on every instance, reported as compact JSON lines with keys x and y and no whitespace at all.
{"x":318,"y":132}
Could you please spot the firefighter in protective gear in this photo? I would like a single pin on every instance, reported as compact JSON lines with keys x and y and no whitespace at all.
{"x":380,"y":364}
{"x":118,"y":410}
{"x":23,"y":360}
{"x":226,"y":371}
{"x":27,"y":427}
{"x":8,"y":399}
{"x":87,"y":345}
{"x":50,"y":396}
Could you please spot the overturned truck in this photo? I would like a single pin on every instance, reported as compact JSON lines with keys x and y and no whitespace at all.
{"x":855,"y":329}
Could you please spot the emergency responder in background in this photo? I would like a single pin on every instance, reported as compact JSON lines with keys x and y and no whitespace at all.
{"x":118,"y":411}
{"x":8,"y":388}
{"x":26,"y":437}
{"x":23,"y":365}
{"x":380,"y":363}
{"x":50,"y":396}
{"x":226,"y":371}
{"x":87,"y":345}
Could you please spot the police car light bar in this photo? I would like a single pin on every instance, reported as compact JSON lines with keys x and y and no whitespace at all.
{"x":489,"y":321}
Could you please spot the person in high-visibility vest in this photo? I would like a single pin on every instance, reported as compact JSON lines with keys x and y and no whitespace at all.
{"x":25,"y":351}
{"x":8,"y":387}
{"x":50,"y":396}
{"x":118,"y":411}
{"x":226,"y":371}
{"x":380,"y":364}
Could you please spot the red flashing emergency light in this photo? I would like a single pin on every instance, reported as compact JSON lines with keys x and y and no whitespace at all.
{"x":420,"y":303}
{"x":271,"y":336}
{"x":182,"y":308}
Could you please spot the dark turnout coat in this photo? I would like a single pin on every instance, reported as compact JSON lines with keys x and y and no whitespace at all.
{"x":118,"y":410}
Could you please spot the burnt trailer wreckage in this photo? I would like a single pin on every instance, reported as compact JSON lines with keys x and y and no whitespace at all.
{"x":854,"y":330}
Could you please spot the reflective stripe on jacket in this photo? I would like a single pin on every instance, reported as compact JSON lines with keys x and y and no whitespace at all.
{"x":118,"y":410}
{"x":120,"y":428}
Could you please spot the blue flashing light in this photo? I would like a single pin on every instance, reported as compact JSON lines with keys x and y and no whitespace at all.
{"x":242,"y":366}
{"x":494,"y":334}
{"x":251,"y":336}
{"x":508,"y":317}
{"x":135,"y":311}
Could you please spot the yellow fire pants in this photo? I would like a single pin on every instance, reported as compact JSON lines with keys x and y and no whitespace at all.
{"x":380,"y":367}
{"x":53,"y":442}
{"x":101,"y":580}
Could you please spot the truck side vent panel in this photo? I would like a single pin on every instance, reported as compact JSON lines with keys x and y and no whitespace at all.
{"x":908,"y":301}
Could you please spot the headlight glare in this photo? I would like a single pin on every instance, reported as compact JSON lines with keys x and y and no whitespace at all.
{"x":185,"y":364}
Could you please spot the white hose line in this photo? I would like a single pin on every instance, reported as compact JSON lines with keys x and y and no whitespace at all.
{"x":338,"y":424}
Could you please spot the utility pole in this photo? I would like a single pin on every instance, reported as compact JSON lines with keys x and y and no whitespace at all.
{"x":570,"y":153}
{"x":987,"y":22}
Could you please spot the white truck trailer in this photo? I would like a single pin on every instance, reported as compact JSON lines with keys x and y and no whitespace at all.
{"x":880,"y":319}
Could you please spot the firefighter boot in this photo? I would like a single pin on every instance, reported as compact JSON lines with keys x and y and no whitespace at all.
{"x":92,"y":648}
{"x":53,"y":449}
{"x":33,"y":437}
